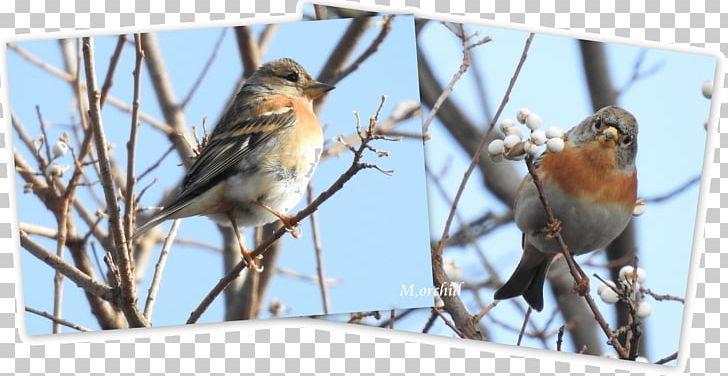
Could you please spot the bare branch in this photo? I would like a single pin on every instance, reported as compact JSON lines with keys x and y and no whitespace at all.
{"x":131,"y":144}
{"x":455,"y":78}
{"x":57,"y":320}
{"x":674,"y":192}
{"x":109,"y":80}
{"x":523,"y":327}
{"x":121,"y":251}
{"x":80,"y":278}
{"x":248,"y":48}
{"x":368,"y":52}
{"x":159,"y":270}
{"x":318,"y":248}
{"x":320,"y":11}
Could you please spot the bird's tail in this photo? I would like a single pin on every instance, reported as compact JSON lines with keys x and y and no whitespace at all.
{"x":528,"y":278}
{"x":166,"y":213}
{"x":154,"y":221}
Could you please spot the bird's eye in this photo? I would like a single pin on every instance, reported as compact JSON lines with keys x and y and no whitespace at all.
{"x":627,"y":139}
{"x":293,"y":77}
{"x":597,"y":125}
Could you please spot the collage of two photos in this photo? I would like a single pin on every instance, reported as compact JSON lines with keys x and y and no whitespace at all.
{"x":468,"y":181}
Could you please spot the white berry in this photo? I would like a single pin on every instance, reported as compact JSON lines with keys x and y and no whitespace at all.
{"x":453,"y":271}
{"x":511,"y":141}
{"x":554,"y":132}
{"x":515,"y":131}
{"x":707,"y":88}
{"x":55,"y":169}
{"x":496,"y":147}
{"x":533,"y":121}
{"x":538,"y":137}
{"x":641,"y":359}
{"x":641,"y":275}
{"x":644,"y":309}
{"x":609,"y":296}
{"x":522,"y":115}
{"x":626,"y":273}
{"x":639,"y":208}
{"x":59,"y":149}
{"x":555,"y":145}
{"x":506,"y":124}
{"x":602,"y":286}
{"x":530,"y":148}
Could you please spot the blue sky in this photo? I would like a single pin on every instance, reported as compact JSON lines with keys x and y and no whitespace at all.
{"x":374,"y":231}
{"x":670,"y":109}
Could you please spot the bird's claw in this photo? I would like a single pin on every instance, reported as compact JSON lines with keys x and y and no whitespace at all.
{"x":552,"y":229}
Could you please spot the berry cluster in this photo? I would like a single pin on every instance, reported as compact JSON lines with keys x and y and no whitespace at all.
{"x":58,"y":150}
{"x":514,"y":147}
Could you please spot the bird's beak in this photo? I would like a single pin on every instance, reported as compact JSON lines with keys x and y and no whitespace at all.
{"x":316,"y":89}
{"x":609,"y":137}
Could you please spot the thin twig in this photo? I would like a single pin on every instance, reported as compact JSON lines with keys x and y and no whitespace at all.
{"x":431,"y":321}
{"x":660,"y":297}
{"x":639,"y":74}
{"x":81,"y":279}
{"x":464,"y":65}
{"x":560,"y":337}
{"x":71,"y":78}
{"x":113,"y":62}
{"x":368,"y":52}
{"x":674,"y":192}
{"x":523,"y":327}
{"x":157,"y":163}
{"x":131,"y":144}
{"x":449,"y":323}
{"x":205,"y":68}
{"x":318,"y":249}
{"x":159,"y":270}
{"x":57,"y":320}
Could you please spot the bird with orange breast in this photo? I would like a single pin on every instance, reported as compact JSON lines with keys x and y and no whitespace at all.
{"x":258,"y":161}
{"x":591,"y":186}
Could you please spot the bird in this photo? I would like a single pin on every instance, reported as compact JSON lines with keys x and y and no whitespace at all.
{"x":257,"y":162}
{"x":591,"y":186}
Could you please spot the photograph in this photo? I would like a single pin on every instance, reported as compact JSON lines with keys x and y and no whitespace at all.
{"x":563,"y":178}
{"x":204,"y":175}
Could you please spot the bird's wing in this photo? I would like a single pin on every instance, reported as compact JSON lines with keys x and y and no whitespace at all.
{"x":229,"y":144}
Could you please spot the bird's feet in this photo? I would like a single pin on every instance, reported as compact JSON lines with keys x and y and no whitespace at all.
{"x":552,"y":229}
{"x":288,"y":221}
{"x":250,"y":260}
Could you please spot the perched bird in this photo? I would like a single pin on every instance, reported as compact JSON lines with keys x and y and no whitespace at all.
{"x":258,"y":161}
{"x":591,"y":187}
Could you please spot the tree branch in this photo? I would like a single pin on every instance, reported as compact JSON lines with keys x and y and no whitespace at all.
{"x":121,"y":251}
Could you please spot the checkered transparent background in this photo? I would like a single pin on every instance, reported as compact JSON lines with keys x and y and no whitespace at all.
{"x":284,"y":346}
